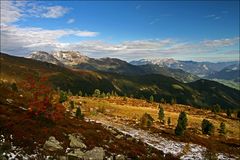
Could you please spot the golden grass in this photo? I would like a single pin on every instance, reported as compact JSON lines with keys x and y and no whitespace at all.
{"x":134,"y":112}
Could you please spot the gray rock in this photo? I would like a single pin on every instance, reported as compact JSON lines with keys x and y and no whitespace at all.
{"x":9,"y":100}
{"x":75,"y":141}
{"x":120,"y":157}
{"x":77,"y":153}
{"x":62,"y":158}
{"x":52,"y":144}
{"x":97,"y":153}
{"x":119,"y":136}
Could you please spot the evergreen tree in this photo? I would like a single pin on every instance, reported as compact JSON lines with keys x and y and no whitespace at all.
{"x":108,"y":95}
{"x":207,"y":127}
{"x":216,"y":108}
{"x":14,"y":87}
{"x":71,"y":104}
{"x":96,"y":93}
{"x":182,"y":124}
{"x":229,"y":113}
{"x":80,"y":93}
{"x":69,"y":92}
{"x":103,"y":95}
{"x":79,"y":113}
{"x":162,"y":100}
{"x":161,"y":114}
{"x":151,"y":99}
{"x":173,"y":101}
{"x":169,"y":121}
{"x":222,"y":130}
{"x":238,"y":114}
{"x":125,"y":97}
{"x":63,"y":97}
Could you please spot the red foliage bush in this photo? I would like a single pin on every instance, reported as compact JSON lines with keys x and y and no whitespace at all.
{"x":40,"y":105}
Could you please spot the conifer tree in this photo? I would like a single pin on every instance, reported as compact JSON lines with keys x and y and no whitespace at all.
{"x":182,"y":124}
{"x":161,"y":114}
{"x":222,"y":130}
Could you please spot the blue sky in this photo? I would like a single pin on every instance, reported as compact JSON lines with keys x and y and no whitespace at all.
{"x":201,"y":31}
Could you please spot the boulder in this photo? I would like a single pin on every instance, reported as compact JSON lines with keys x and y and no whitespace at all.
{"x":119,"y":136}
{"x":75,"y":141}
{"x":77,"y":153}
{"x":97,"y":153}
{"x":120,"y":157}
{"x":52,"y":144}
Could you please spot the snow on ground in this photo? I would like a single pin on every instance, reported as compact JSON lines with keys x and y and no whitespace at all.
{"x":155,"y":140}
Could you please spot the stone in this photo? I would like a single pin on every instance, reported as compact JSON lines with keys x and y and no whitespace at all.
{"x":120,"y":157}
{"x":75,"y":141}
{"x":77,"y":153}
{"x":52,"y":144}
{"x":9,"y":100}
{"x":119,"y":136}
{"x":97,"y":153}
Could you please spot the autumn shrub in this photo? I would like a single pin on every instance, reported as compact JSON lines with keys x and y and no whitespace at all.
{"x":40,"y":105}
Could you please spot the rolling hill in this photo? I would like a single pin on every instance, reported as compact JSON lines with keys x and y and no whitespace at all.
{"x":202,"y":93}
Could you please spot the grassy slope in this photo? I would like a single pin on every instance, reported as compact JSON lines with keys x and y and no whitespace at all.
{"x":129,"y":112}
{"x":196,"y":94}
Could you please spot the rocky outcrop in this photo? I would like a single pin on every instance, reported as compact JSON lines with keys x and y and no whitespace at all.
{"x":97,"y":153}
{"x":52,"y":144}
{"x":76,"y":142}
{"x":77,"y":153}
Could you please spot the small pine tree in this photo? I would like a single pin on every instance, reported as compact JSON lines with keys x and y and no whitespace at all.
{"x":162,"y":100}
{"x":238,"y":114}
{"x":222,"y":130}
{"x":63,"y":97}
{"x":80,"y":93}
{"x":182,"y":124}
{"x":69,"y":92}
{"x":125,"y":97}
{"x":71,"y":104}
{"x":79,"y":114}
{"x":207,"y":127}
{"x":151,"y":99}
{"x":14,"y":87}
{"x":103,"y":95}
{"x":108,"y":95}
{"x":161,"y":114}
{"x":229,"y":112}
{"x":169,"y":121}
{"x":216,"y":108}
{"x":173,"y":101}
{"x":96,"y":93}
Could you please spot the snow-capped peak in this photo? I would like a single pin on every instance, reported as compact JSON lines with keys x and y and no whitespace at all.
{"x":70,"y":57}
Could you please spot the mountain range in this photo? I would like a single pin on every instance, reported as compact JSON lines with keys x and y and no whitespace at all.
{"x":111,"y":65}
{"x":201,"y":69}
{"x":200,"y":93}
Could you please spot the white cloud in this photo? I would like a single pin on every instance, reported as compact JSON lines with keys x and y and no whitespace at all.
{"x":213,"y":16}
{"x":71,"y":21}
{"x":221,"y":42}
{"x":9,"y":12}
{"x":13,"y":11}
{"x":15,"y":40}
{"x":55,"y":12}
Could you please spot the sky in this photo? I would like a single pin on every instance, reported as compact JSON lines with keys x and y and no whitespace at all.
{"x":129,"y":30}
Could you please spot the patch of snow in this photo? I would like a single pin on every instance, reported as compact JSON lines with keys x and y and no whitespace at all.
{"x":155,"y":140}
